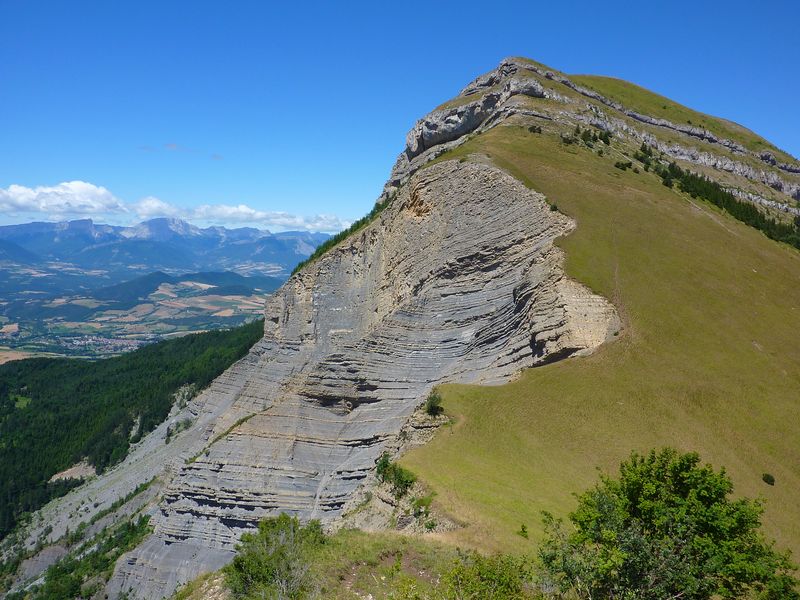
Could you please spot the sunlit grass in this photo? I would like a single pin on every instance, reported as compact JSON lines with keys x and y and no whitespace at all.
{"x":709,"y":358}
{"x":644,"y":101}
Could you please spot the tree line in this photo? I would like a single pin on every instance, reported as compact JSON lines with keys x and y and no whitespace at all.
{"x":56,"y":412}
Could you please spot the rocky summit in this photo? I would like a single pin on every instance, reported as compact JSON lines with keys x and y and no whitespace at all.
{"x":457,"y":279}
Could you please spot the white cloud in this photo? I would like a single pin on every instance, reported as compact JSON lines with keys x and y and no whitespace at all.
{"x":246,"y":215}
{"x":240,"y":213}
{"x":71,"y":198}
{"x":82,"y":199}
{"x":150,"y":207}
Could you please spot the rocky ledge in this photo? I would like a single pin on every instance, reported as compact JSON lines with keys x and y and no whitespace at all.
{"x":490,"y":99}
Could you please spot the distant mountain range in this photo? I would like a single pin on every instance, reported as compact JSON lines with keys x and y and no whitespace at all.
{"x":169,"y":245}
{"x":80,"y":288}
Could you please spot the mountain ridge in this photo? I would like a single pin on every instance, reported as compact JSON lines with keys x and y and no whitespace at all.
{"x":357,"y":337}
{"x":168,"y":243}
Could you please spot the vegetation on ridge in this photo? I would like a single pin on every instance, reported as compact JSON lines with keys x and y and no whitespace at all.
{"x":649,"y":103}
{"x":698,"y":186}
{"x":76,"y":410}
{"x":343,"y":235}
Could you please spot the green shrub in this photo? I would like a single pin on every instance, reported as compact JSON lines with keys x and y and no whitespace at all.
{"x":567,"y":139}
{"x":274,"y":562}
{"x":768,"y":479}
{"x":623,"y":165}
{"x":422,"y":505}
{"x":502,"y":577}
{"x":643,"y":157}
{"x":665,"y":528}
{"x":433,"y":404}
{"x":399,"y":478}
{"x":382,"y":466}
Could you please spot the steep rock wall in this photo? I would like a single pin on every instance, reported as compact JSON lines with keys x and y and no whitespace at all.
{"x":457,"y":280}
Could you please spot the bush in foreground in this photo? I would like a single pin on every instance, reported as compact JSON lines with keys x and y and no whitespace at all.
{"x":390,"y":472}
{"x":500,"y":577}
{"x":665,"y":528}
{"x":274,"y":562}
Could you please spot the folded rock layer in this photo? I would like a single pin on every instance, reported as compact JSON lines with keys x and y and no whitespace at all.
{"x":457,"y":280}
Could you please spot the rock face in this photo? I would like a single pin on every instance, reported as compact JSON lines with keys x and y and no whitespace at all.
{"x":486,"y":102}
{"x":457,"y":280}
{"x":450,"y":124}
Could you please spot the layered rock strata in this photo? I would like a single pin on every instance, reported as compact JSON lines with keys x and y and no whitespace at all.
{"x":457,"y":280}
{"x":488,"y":101}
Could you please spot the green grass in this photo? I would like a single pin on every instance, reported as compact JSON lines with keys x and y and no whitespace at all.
{"x":646,"y":102}
{"x":353,"y":564}
{"x":708,"y":360}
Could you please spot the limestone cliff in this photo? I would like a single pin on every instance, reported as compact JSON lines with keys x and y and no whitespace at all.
{"x":457,"y":280}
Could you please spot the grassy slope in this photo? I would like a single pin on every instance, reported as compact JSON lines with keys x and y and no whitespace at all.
{"x":708,"y":360}
{"x":354,"y":564}
{"x":644,"y":101}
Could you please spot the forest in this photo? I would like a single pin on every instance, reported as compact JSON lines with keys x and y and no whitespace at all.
{"x":55,"y":413}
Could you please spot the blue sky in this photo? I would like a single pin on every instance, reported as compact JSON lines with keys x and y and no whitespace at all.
{"x":268,"y":114}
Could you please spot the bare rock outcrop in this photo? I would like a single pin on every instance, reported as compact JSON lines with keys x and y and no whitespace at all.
{"x":457,"y":280}
{"x":441,"y":130}
{"x":449,"y":124}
